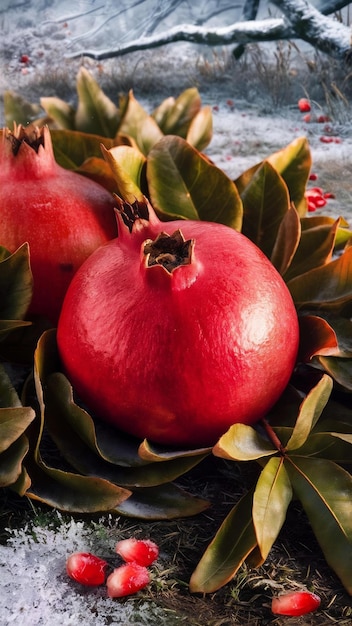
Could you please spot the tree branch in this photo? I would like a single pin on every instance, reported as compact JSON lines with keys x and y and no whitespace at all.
{"x":301,"y":21}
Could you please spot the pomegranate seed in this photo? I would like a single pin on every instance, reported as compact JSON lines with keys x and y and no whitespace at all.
{"x":313,"y":176}
{"x":127,"y":580}
{"x":307,"y":118}
{"x":304,"y":105}
{"x":329,"y":194}
{"x":140,"y":551}
{"x":295,"y":603}
{"x":86,"y":568}
{"x":325,"y":139}
{"x":24,"y":58}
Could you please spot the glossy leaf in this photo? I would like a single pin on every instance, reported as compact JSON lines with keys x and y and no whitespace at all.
{"x":64,"y":490}
{"x":11,"y":461}
{"x":328,"y":286}
{"x":18,"y":109}
{"x":140,"y":126}
{"x":8,"y":394}
{"x":328,"y":445}
{"x":287,"y":240}
{"x":342,"y":327}
{"x":96,"y":113}
{"x":183,"y":184}
{"x":310,"y":411}
{"x":200,"y":131}
{"x":97,"y":169}
{"x":60,"y":112}
{"x":161,"y":503}
{"x":177,"y":115}
{"x":316,"y":337}
{"x":272,"y":495}
{"x":265,"y":203}
{"x":72,"y":148}
{"x":294,"y":163}
{"x":325,"y":491}
{"x":232,"y":544}
{"x":13,"y":423}
{"x":315,"y":248}
{"x":339,"y":368}
{"x":242,"y":443}
{"x":16,"y":283}
{"x":127,"y":165}
{"x":343,"y":234}
{"x":155,"y":453}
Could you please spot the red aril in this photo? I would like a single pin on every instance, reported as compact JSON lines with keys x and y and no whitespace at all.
{"x":141,"y":551}
{"x":174,"y":331}
{"x":86,"y":568}
{"x":295,"y":603}
{"x":62,"y":215}
{"x":304,"y":105}
{"x":127,"y":580}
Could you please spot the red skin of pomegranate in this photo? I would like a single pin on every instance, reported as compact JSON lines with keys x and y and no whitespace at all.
{"x":62,"y":215}
{"x":178,"y":357}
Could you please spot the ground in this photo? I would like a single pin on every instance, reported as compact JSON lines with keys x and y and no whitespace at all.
{"x":255,"y":113}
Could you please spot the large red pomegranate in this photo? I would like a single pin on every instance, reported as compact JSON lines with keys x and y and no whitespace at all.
{"x":174,"y":331}
{"x":62,"y":215}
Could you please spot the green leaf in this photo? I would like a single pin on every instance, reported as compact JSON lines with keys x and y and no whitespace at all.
{"x":184,"y":184}
{"x":325,"y":491}
{"x":200,"y":131}
{"x":11,"y":461}
{"x":174,"y":117}
{"x":315,"y":248}
{"x":96,"y":113}
{"x":13,"y":423}
{"x":339,"y":368}
{"x":294,"y":163}
{"x":62,"y":113}
{"x":72,"y":148}
{"x":328,"y":445}
{"x":329,"y":286}
{"x":242,"y":443}
{"x":8,"y":394}
{"x":310,"y":411}
{"x":287,"y":240}
{"x":16,"y":283}
{"x":272,"y":495}
{"x":127,"y":165}
{"x":140,"y":126}
{"x":19,"y":110}
{"x":343,"y":234}
{"x":232,"y":544}
{"x":161,"y":503}
{"x":156,"y":453}
{"x":265,"y":203}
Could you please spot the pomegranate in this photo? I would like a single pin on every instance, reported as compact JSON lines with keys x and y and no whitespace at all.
{"x":62,"y":215}
{"x":176,"y":330}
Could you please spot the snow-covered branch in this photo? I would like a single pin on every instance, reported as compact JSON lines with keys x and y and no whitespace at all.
{"x":300,"y":21}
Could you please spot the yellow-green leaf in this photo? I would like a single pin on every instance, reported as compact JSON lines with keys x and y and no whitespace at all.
{"x":287,"y":240}
{"x":272,"y":495}
{"x":200,"y":131}
{"x":96,"y":113}
{"x":127,"y":165}
{"x":310,"y":411}
{"x":325,"y":491}
{"x":62,"y":113}
{"x":178,"y":115}
{"x":242,"y":443}
{"x":232,"y":544}
{"x":294,"y":163}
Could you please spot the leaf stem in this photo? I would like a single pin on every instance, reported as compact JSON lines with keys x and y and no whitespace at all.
{"x":273,"y":437}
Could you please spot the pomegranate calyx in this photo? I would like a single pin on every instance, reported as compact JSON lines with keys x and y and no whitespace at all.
{"x":170,"y":251}
{"x":32,"y":135}
{"x":132,"y":212}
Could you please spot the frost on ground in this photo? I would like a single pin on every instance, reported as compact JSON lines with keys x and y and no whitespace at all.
{"x":35,"y":589}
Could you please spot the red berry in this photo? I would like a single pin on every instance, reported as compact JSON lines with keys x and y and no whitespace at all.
{"x":325,"y":139}
{"x":140,"y":551}
{"x":24,"y":58}
{"x":329,"y":195}
{"x":86,"y":568}
{"x":127,"y":580}
{"x":295,"y":603}
{"x":304,"y":105}
{"x":322,"y":119}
